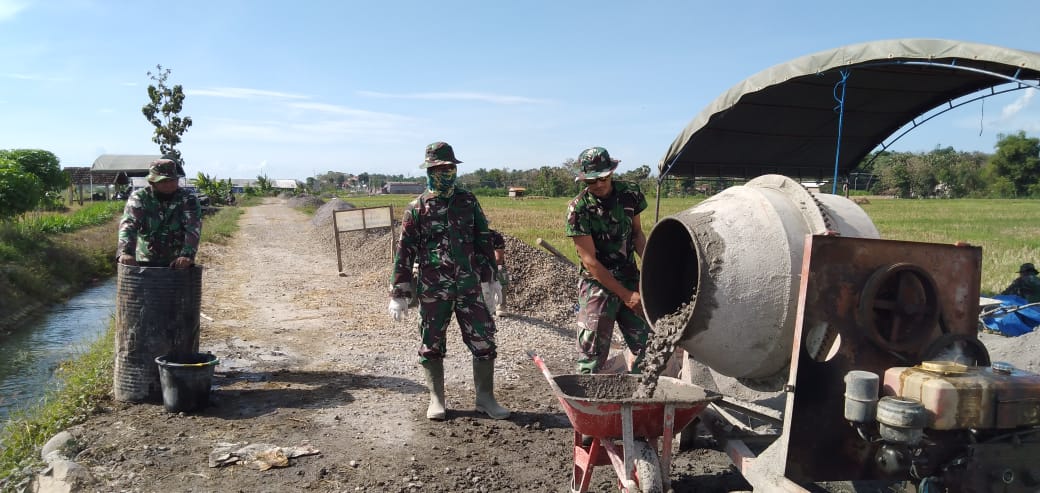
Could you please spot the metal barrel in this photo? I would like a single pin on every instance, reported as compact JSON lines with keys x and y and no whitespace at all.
{"x":157,"y":313}
{"x":738,"y":257}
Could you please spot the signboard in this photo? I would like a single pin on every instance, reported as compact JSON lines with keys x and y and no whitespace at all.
{"x":358,"y":219}
{"x":362,"y":220}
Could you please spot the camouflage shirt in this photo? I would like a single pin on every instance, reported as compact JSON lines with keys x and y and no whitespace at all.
{"x":158,"y":232}
{"x":609,"y":222}
{"x":498,"y":242}
{"x":1027,"y":287}
{"x":450,"y":240}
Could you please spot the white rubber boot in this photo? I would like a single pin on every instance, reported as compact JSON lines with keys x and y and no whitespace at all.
{"x":484,"y":382}
{"x":435,"y":382}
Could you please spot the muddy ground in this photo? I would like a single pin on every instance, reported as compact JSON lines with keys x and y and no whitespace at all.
{"x":311,"y":358}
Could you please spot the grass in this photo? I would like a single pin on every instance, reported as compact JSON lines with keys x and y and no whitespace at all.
{"x":81,"y":217}
{"x":1007,"y":230}
{"x":85,"y":383}
{"x":220,"y":227}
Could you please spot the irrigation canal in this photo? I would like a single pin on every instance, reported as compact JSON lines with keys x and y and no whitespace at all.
{"x":32,"y":352}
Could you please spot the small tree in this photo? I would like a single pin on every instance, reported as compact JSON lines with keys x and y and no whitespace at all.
{"x":44,"y":164}
{"x":19,"y":191}
{"x":163,"y":112}
{"x":1018,"y":160}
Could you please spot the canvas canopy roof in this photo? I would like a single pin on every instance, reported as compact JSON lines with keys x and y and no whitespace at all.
{"x":784,"y":119}
{"x":132,"y":163}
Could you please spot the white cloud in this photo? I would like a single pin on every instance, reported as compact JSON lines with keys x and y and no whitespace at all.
{"x":1019,"y":104}
{"x":243,"y":93}
{"x":10,"y":8}
{"x":343,"y":110}
{"x":45,"y":78}
{"x":310,"y":132}
{"x":456,"y":96}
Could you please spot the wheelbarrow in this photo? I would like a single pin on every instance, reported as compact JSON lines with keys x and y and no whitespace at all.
{"x":601,"y":406}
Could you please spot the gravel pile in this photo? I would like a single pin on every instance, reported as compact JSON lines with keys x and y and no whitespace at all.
{"x":323,"y":216}
{"x":305,"y":201}
{"x":1020,"y":351}
{"x":543,"y":286}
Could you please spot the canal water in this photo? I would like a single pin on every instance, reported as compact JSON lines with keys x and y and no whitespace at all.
{"x":32,"y":352}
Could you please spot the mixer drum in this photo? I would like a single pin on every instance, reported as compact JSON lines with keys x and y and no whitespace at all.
{"x":738,"y":257}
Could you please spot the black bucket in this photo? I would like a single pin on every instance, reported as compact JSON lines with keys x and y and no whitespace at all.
{"x":157,"y":313}
{"x":185,"y":380}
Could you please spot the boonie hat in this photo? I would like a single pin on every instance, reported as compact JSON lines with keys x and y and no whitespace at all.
{"x":162,"y":170}
{"x":1027,"y":267}
{"x":439,"y":153}
{"x":595,"y":162}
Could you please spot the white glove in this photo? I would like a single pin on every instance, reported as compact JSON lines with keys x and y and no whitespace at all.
{"x":398,"y":308}
{"x":496,"y":292}
{"x":492,"y":293}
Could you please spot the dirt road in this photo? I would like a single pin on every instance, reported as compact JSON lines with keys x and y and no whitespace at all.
{"x":310,"y":358}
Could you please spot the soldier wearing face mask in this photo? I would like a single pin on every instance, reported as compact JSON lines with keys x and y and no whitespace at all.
{"x":445,"y":231}
{"x":161,"y":223}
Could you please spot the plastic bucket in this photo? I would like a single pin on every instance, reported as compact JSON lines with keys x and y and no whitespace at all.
{"x":185,"y":380}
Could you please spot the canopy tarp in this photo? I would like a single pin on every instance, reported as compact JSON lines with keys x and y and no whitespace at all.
{"x":128,"y":163}
{"x":784,"y":119}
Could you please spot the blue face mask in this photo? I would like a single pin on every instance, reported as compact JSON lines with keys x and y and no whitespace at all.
{"x":441,"y":183}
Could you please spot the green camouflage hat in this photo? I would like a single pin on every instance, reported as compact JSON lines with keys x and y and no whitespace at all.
{"x":595,"y":162}
{"x":1027,"y":268}
{"x":162,"y":170}
{"x":439,"y":153}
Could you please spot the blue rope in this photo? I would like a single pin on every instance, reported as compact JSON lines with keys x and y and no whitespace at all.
{"x":841,"y":121}
{"x":928,"y":486}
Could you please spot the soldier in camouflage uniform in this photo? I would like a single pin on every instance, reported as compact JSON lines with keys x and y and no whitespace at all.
{"x":498,"y":242}
{"x":161,"y":223}
{"x":445,"y":231}
{"x":1026,"y":285}
{"x":603,"y":221}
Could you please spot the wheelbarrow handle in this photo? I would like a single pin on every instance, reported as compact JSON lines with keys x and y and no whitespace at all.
{"x":541,"y":364}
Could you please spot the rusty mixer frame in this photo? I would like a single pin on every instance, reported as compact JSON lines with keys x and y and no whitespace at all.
{"x":864,"y":304}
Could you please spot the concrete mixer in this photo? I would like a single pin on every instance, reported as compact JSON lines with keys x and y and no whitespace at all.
{"x":870,"y":347}
{"x":739,"y":256}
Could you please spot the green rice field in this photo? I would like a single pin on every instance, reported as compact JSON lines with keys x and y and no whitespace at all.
{"x":1007,"y":230}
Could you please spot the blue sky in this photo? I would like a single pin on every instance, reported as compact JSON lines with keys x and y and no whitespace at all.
{"x":291,"y":89}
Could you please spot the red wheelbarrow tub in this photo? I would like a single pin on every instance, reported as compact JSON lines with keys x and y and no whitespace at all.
{"x":593,"y":403}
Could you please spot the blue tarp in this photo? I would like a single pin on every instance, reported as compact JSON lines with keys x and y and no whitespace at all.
{"x":1012,"y":323}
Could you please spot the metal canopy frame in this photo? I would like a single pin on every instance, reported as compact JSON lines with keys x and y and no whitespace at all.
{"x":780,"y":121}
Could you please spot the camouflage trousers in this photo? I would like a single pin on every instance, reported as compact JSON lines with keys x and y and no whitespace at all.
{"x":598,"y":309}
{"x":478,"y":328}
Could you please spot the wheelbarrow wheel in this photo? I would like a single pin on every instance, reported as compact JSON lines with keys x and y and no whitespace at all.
{"x":648,"y":468}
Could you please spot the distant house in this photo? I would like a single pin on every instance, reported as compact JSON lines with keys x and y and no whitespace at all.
{"x":404,"y":187}
{"x":517,"y":192}
{"x":283,"y":184}
{"x":83,"y":176}
{"x":239,"y":185}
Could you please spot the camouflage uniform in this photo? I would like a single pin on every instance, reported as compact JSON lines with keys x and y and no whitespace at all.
{"x":1026,"y":286}
{"x":450,"y":240}
{"x":609,"y":222}
{"x":498,"y":242}
{"x":158,"y":231}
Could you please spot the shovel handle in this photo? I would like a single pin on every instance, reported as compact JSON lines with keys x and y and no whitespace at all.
{"x":541,"y":364}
